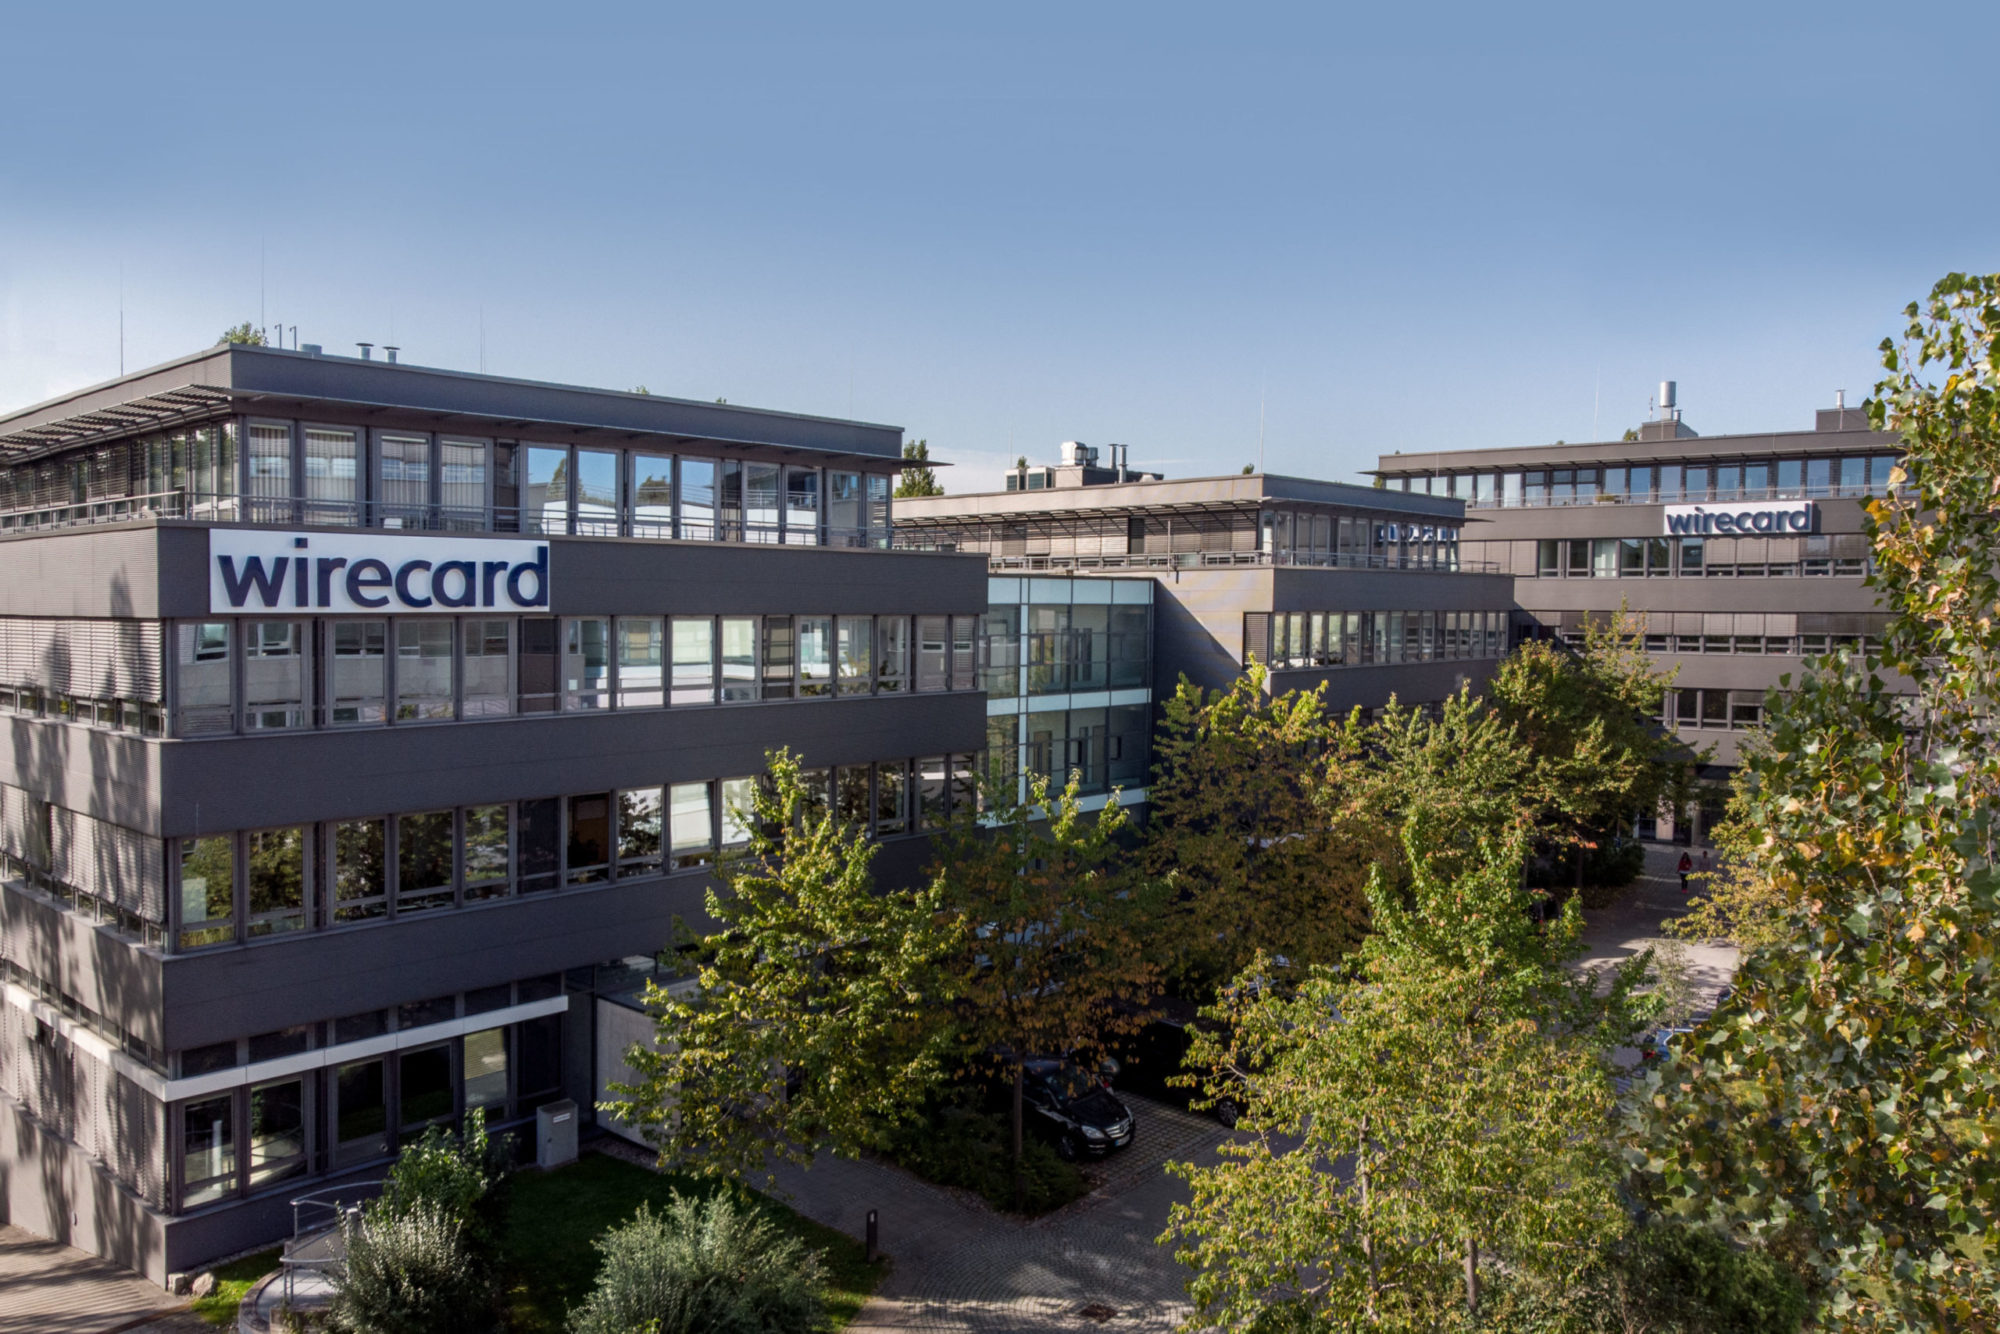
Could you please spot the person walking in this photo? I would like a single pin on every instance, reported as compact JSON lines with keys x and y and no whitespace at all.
{"x":1687,"y":864}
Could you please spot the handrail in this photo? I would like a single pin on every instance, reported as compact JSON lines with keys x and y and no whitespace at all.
{"x":329,"y":1199}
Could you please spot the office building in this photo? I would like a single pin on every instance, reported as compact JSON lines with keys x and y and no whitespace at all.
{"x":358,"y":712}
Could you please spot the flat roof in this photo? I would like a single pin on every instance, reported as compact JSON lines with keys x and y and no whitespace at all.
{"x":1229,"y":491}
{"x":1699,"y":448}
{"x":246,"y":378}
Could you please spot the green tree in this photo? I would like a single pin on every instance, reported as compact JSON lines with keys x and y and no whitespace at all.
{"x":816,"y":1022}
{"x":1249,"y":832}
{"x":242,"y":333}
{"x":917,"y":480}
{"x":713,"y":1266}
{"x":1845,"y":1103}
{"x":1049,"y":930}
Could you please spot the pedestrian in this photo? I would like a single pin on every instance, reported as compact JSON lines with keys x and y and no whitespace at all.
{"x":1703,"y":866}
{"x":1687,"y":864}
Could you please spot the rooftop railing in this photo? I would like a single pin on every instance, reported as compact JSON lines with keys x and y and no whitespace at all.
{"x":1207,"y":560}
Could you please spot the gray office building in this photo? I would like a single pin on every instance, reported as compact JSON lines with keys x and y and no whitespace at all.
{"x":362,"y":717}
{"x":1743,"y":554}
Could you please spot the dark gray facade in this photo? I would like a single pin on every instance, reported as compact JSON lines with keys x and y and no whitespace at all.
{"x":288,"y":880}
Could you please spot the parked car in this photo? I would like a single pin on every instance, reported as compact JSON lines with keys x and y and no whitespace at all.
{"x":1156,"y":1053}
{"x":1658,"y":1044}
{"x":1073,"y":1108}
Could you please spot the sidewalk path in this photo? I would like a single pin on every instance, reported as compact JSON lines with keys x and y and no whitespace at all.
{"x":49,"y":1288}
{"x":1634,"y":924}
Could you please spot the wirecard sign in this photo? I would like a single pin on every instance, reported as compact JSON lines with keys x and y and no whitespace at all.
{"x":370,"y":572}
{"x":1773,"y":517}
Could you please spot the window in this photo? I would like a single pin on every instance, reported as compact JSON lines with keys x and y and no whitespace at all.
{"x":1691,"y":555}
{"x":275,"y":874}
{"x":1631,"y":557}
{"x":933,"y":791}
{"x":332,"y":471}
{"x":694,"y":660}
{"x":275,"y":681}
{"x":360,"y":871}
{"x":690,"y":829}
{"x":1668,"y":481}
{"x":1790,"y":478}
{"x":405,"y":463}
{"x":850,"y":796}
{"x":486,"y":1070}
{"x":1714,"y":708}
{"x":1548,"y":558}
{"x":856,"y":639}
{"x":208,"y":1150}
{"x":739,"y":659}
{"x":423,"y":861}
{"x":208,"y":891}
{"x":589,"y":858}
{"x":277,"y":1132}
{"x":1696,"y":482}
{"x":697,"y":521}
{"x":1853,"y":476}
{"x":802,"y":506}
{"x":738,"y":810}
{"x":538,"y":845}
{"x":204,"y":700}
{"x":423,"y":671}
{"x":879,"y":512}
{"x":892,"y":799}
{"x":597,"y":492}
{"x":279,"y":1042}
{"x":361,"y":1112}
{"x":586,"y":663}
{"x":357,"y":692}
{"x":538,"y":1056}
{"x":780,"y":663}
{"x":270,"y":460}
{"x":760,"y":502}
{"x":964,"y":652}
{"x":1659,"y":557}
{"x":934,"y":650}
{"x":487,"y":668}
{"x":540,"y":669}
{"x":462,"y":491}
{"x":815,"y":655}
{"x":1879,"y":468}
{"x":640,"y":813}
{"x":652,"y":496}
{"x":846,"y":510}
{"x":1819,"y":477}
{"x":1579,"y":558}
{"x":485,"y":852}
{"x":545,"y":507}
{"x":642,"y":656}
{"x":892,"y":654}
{"x":1604,"y":557}
{"x":1756,"y":481}
{"x":1746,"y":709}
{"x":426,"y":1085}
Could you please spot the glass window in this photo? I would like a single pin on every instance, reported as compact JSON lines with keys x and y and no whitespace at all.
{"x":850,"y":796}
{"x":462,"y":493}
{"x":1756,"y":481}
{"x":1631,"y":557}
{"x":879,"y":510}
{"x":964,"y":776}
{"x":1697,"y":483}
{"x":208,"y":891}
{"x":358,"y":689}
{"x":1729,"y":481}
{"x":426,"y":1085}
{"x":1691,"y":555}
{"x":586,"y":663}
{"x":1604,"y":557}
{"x":589,"y":838}
{"x":270,"y":460}
{"x":597,"y":492}
{"x":933,"y":791}
{"x":857,"y":635}
{"x":1548,"y":558}
{"x":539,"y":668}
{"x":486,"y":1069}
{"x":276,"y":879}
{"x":640,"y":814}
{"x":738,"y":810}
{"x":1579,"y":558}
{"x":934,"y":650}
{"x":485,"y":852}
{"x":802,"y":506}
{"x":405,"y":464}
{"x":694,"y":660}
{"x":1819,"y":477}
{"x":332,"y":470}
{"x":652,"y":495}
{"x":538,"y":1057}
{"x":642,"y":659}
{"x":815,"y":648}
{"x":846,"y":510}
{"x":204,"y":700}
{"x":545,"y":506}
{"x":208,"y":1150}
{"x":964,"y":652}
{"x":1879,"y":468}
{"x":423,"y":861}
{"x":691,"y":830}
{"x":892,"y":798}
{"x":1659,"y":557}
{"x":423,"y":671}
{"x":1714,"y":708}
{"x":538,"y":845}
{"x":697,"y":521}
{"x":275,"y":681}
{"x":760,"y":502}
{"x":360,"y":871}
{"x":1853,"y":479}
{"x":780,"y":663}
{"x":739,"y":659}
{"x":1616,"y":482}
{"x":277,"y":1131}
{"x":361,"y":1112}
{"x":1669,"y":481}
{"x":487,"y":668}
{"x":892,"y":653}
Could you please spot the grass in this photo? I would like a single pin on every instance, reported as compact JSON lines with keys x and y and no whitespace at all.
{"x":553,"y":1217}
{"x":233,"y":1282}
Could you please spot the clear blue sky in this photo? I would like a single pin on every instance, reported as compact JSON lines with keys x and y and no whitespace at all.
{"x":1399,"y":226}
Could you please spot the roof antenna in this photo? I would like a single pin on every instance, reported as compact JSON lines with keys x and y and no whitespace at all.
{"x":121,"y":318}
{"x":1262,"y":393}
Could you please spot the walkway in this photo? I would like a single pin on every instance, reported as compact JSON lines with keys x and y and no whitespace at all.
{"x":49,"y":1288}
{"x":1634,"y":923}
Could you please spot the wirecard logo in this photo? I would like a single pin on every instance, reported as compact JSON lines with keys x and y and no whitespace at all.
{"x":1769,"y":517}
{"x":362,"y":572}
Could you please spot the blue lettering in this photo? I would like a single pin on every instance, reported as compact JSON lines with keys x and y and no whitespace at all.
{"x":1724,"y":523}
{"x":468,"y":594}
{"x":1680,"y":523}
{"x":539,"y":567}
{"x":403,"y":583}
{"x":268,"y":583}
{"x":492,"y":570}
{"x":1760,"y":521}
{"x":327,"y":565}
{"x":369,"y":573}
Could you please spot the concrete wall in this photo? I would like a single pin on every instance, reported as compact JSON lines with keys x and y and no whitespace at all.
{"x":53,"y":1189}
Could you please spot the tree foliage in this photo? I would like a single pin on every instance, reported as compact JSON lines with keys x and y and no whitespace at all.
{"x":243,"y":333}
{"x":918,"y":479}
{"x":814,"y":1024}
{"x":1844,"y":1102}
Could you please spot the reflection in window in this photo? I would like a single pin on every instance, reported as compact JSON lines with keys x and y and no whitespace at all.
{"x":780,"y":662}
{"x":933,"y":653}
{"x":277,"y":1132}
{"x":423,"y":671}
{"x":426,"y":1086}
{"x":892,"y":799}
{"x":485,"y":852}
{"x":589,"y":838}
{"x":641,"y":814}
{"x":933,"y":791}
{"x":538,"y":845}
{"x":738,"y":810}
{"x":275,"y":681}
{"x":694,"y":660}
{"x":360,"y":872}
{"x":802,"y":507}
{"x":331,"y":473}
{"x":358,"y":690}
{"x":857,"y":636}
{"x":690,"y":827}
{"x":462,"y":494}
{"x":486,"y":1069}
{"x":361,"y":1112}
{"x":597,"y":492}
{"x":423,"y":861}
{"x":586,"y":663}
{"x":652,"y":495}
{"x":487,"y":668}
{"x":760,"y":502}
{"x":879,"y":533}
{"x":203,"y":696}
{"x":815,"y":655}
{"x":850,"y":796}
{"x":846,"y":515}
{"x":739,"y":659}
{"x":892,"y":653}
{"x":697,"y":521}
{"x":208,"y":891}
{"x":642,"y":652}
{"x":208,"y":1150}
{"x":545,"y":506}
{"x":405,"y":462}
{"x":276,"y":878}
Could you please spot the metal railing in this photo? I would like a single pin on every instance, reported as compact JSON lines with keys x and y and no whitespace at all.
{"x":1719,"y":497}
{"x":315,"y":1245}
{"x":907,"y":540}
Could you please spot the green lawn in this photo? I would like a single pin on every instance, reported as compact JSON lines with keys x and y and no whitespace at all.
{"x":553,"y":1217}
{"x":232,"y":1285}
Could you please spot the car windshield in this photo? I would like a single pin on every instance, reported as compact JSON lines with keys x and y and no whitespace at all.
{"x":1069,"y":1083}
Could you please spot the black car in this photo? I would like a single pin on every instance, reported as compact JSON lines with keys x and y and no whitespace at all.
{"x":1077,"y":1111}
{"x":1156,"y":1053}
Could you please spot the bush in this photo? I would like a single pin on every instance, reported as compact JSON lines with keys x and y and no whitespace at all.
{"x":1609,"y":867}
{"x":959,"y":1146}
{"x":715,"y":1265}
{"x":411,"y":1270}
{"x":462,"y":1175}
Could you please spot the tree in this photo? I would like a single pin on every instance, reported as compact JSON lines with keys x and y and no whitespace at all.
{"x":1049,"y":938}
{"x":242,"y":333}
{"x":1845,"y":1103}
{"x":816,"y":1022}
{"x":701,"y":1265}
{"x":642,"y":390}
{"x":1249,"y":468}
{"x":917,"y":481}
{"x":1250,"y":835}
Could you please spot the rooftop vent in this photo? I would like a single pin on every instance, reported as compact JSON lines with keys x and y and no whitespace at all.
{"x":367,"y":351}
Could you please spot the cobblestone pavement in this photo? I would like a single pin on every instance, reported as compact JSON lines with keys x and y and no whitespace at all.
{"x":1634,"y":923}
{"x":49,"y":1288}
{"x":959,"y":1267}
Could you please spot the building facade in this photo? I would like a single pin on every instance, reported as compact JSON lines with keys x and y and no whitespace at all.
{"x":363,"y":717}
{"x":1742,"y":555}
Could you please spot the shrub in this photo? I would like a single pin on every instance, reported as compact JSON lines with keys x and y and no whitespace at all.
{"x":714,"y":1266}
{"x":461,"y":1175}
{"x":1689,"y":1280}
{"x":411,"y":1270}
{"x":969,"y":1149}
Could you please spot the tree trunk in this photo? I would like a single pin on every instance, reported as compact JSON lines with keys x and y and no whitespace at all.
{"x":1020,"y":1181}
{"x":1471,"y":1276}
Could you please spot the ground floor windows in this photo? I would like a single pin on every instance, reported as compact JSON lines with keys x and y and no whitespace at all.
{"x":208,"y":1150}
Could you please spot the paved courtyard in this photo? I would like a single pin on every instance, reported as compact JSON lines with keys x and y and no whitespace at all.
{"x":49,"y":1288}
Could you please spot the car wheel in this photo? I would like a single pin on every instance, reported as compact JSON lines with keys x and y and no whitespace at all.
{"x":1227,"y":1112}
{"x":1066,"y":1148}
